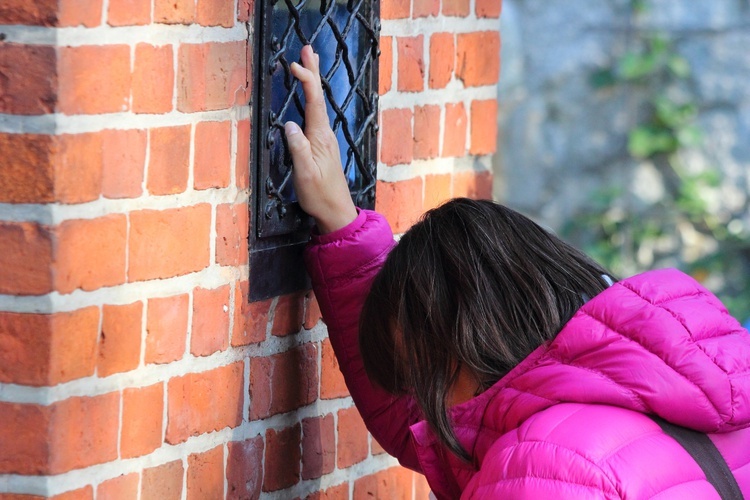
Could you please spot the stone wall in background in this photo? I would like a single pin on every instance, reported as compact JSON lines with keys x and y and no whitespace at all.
{"x":563,"y":142}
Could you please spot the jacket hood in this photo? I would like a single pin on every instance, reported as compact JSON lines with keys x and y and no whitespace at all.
{"x":655,"y":343}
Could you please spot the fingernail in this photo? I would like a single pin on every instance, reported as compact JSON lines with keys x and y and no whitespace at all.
{"x":291,"y":128}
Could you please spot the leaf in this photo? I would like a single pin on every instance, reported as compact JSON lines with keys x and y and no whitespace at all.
{"x":602,"y":78}
{"x":647,"y":141}
{"x":679,"y":66}
{"x":636,"y":66}
{"x":689,"y":136}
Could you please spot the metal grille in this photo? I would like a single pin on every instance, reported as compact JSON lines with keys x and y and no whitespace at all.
{"x":345,"y":35}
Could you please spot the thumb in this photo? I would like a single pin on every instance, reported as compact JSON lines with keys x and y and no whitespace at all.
{"x":299,"y":147}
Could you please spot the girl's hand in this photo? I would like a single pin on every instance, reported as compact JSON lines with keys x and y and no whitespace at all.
{"x":318,"y":176}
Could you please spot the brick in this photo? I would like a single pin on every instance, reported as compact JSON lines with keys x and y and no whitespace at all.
{"x":394,"y":483}
{"x":442,"y":59}
{"x":122,"y":487}
{"x":352,"y":444}
{"x":142,"y":420}
{"x":410,"y":63}
{"x":79,"y":167}
{"x":153,"y":79}
{"x":210,"y":331}
{"x":283,"y":382}
{"x":29,"y":77}
{"x":123,"y":163}
{"x":213,"y":145}
{"x":426,"y":132}
{"x":169,"y":162}
{"x":205,"y":475}
{"x":86,"y":13}
{"x":37,"y":13}
{"x":437,"y":190}
{"x":454,"y":130}
{"x":212,"y":76}
{"x":489,"y":8}
{"x":238,"y":320}
{"x":395,"y":9}
{"x":245,"y":10}
{"x":158,"y":246}
{"x":254,"y":320}
{"x":24,"y":434}
{"x":425,"y":8}
{"x":471,"y":184}
{"x":204,"y":402}
{"x":166,"y":328}
{"x":332,"y":493}
{"x":288,"y":315}
{"x":174,"y":11}
{"x":483,"y":127}
{"x":282,"y":458}
{"x":232,"y":225}
{"x":84,"y":432}
{"x":458,"y":8}
{"x":385,"y":68}
{"x":27,"y":174}
{"x":44,"y":349}
{"x":318,"y":446}
{"x":395,"y":128}
{"x":25,"y":259}
{"x":312,"y":311}
{"x":421,"y":488}
{"x":94,"y":79}
{"x":163,"y":482}
{"x":90,"y":253}
{"x":332,"y":383}
{"x":129,"y":12}
{"x":85,"y":493}
{"x":215,"y":13}
{"x":400,"y":202}
{"x":244,"y":469}
{"x":375,"y":447}
{"x":478,"y":58}
{"x":242,"y":167}
{"x":120,"y":339}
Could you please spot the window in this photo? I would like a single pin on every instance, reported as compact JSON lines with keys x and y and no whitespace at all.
{"x":345,"y":35}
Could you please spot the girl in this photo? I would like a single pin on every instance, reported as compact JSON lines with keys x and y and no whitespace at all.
{"x":501,"y":362}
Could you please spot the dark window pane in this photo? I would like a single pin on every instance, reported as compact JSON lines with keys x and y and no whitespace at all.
{"x":344,"y":34}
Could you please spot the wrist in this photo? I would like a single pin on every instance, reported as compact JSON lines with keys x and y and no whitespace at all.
{"x":336,"y":219}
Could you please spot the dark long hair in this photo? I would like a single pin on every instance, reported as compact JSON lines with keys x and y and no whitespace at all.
{"x":472,"y":285}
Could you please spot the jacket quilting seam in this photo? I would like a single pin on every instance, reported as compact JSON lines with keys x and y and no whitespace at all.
{"x":635,"y":397}
{"x":612,"y":483}
{"x":701,"y":389}
{"x":355,"y":274}
{"x":721,"y":311}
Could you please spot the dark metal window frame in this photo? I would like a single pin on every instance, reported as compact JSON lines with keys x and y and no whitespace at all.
{"x":280,"y":229}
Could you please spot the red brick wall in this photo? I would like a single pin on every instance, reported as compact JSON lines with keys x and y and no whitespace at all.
{"x":131,"y":364}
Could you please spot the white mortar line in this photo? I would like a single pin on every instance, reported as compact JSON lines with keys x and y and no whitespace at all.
{"x":439,"y":24}
{"x":453,"y":93}
{"x":435,"y":166}
{"x":58,"y":123}
{"x":55,"y":213}
{"x":211,"y":277}
{"x":157,"y":34}
{"x":155,"y":373}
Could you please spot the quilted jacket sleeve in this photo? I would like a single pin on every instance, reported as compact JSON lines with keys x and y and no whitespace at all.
{"x":342,"y":266}
{"x":537,"y":469}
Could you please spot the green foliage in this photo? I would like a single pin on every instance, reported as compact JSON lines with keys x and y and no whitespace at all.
{"x":628,"y":234}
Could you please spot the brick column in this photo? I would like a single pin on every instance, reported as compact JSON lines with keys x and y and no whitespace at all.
{"x":131,"y":364}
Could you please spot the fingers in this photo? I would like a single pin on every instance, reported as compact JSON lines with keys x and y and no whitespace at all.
{"x":299,"y":147}
{"x":316,"y":115}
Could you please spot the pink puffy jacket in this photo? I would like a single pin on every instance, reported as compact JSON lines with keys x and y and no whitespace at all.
{"x":568,"y":421}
